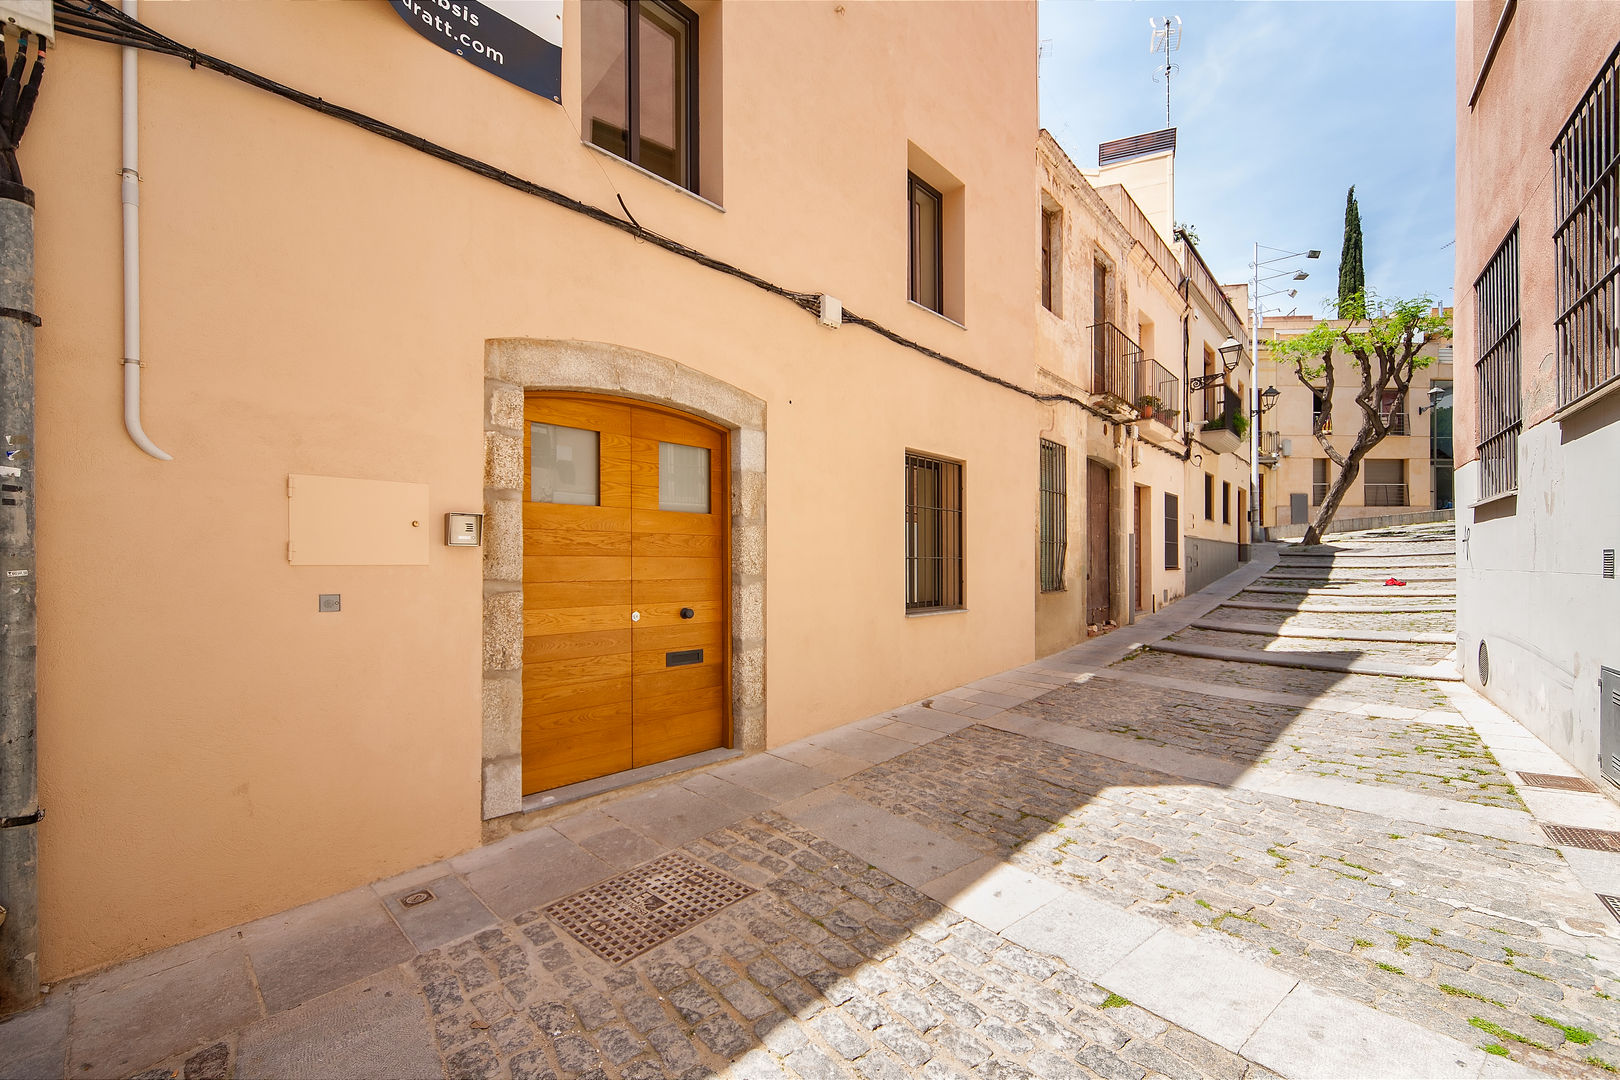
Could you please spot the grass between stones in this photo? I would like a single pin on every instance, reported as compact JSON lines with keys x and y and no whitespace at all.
{"x":1503,"y":1033}
{"x":1114,"y":1001}
{"x":1579,"y":1036}
{"x":1457,"y":991}
{"x":1593,"y":1059}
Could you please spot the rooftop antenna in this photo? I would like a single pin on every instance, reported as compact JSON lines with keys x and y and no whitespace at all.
{"x":1042,"y":51}
{"x":1166,"y":39}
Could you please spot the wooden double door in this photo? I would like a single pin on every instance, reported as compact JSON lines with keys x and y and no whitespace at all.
{"x":625,"y":643}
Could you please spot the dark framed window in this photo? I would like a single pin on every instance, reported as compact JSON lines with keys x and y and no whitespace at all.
{"x":1496,"y":297}
{"x":933,"y":534}
{"x":638,"y":62}
{"x":1054,"y":514}
{"x":1319,"y":480}
{"x":1051,"y":251}
{"x":1586,"y":256}
{"x":1209,"y":497}
{"x":1226,"y":503}
{"x":927,"y":237}
{"x":1172,"y":532}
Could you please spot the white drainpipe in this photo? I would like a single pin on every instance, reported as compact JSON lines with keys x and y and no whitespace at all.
{"x":132,"y":257}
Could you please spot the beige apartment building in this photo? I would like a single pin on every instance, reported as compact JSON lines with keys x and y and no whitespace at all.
{"x":1143,"y":484}
{"x":1410,"y":471}
{"x":633,"y":322}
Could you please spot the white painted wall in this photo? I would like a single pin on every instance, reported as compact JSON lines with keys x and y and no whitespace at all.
{"x":1530,"y":584}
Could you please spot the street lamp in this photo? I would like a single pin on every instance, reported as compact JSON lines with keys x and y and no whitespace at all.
{"x":1296,"y":274}
{"x":1231,"y":349}
{"x":1267,"y":399}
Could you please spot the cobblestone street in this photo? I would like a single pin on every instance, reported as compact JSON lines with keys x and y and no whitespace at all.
{"x":1120,"y":861}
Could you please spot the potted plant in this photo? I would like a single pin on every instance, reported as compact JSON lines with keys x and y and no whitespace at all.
{"x":1146,"y":404}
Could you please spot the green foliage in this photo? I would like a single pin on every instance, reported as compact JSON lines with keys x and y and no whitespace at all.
{"x":1503,"y":1033}
{"x":1576,"y":1035}
{"x":1189,"y":231}
{"x":1495,"y":1048}
{"x":1384,"y":327}
{"x":1114,"y":1001}
{"x":1352,"y":271}
{"x":1235,"y":422}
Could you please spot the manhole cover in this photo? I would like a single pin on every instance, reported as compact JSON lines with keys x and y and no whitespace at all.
{"x":625,"y":916}
{"x":1612,"y":903}
{"x":1591,"y":839}
{"x":1556,"y":782}
{"x":420,"y":896}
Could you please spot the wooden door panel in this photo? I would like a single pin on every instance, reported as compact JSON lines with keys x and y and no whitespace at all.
{"x":543,"y":594}
{"x":578,"y":744}
{"x":680,"y":545}
{"x":543,"y":621}
{"x":598,"y":694}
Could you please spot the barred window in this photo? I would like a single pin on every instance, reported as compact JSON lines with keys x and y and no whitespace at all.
{"x":1054,"y":515}
{"x":1586,"y":249}
{"x":933,"y":533}
{"x":1496,"y":295}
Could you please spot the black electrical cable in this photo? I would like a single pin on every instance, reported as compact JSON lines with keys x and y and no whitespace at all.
{"x":97,"y":20}
{"x":17,"y":105}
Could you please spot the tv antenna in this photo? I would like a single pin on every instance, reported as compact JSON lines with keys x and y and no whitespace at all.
{"x":1166,"y":39}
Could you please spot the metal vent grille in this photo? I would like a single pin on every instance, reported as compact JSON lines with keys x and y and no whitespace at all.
{"x":1609,"y":725}
{"x":1152,"y":142}
{"x":1590,"y":839}
{"x":623,"y":917}
{"x":1608,"y":562}
{"x":1554,"y":782}
{"x":1612,"y":903}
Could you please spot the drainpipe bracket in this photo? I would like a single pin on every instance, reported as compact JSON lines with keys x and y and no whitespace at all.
{"x":26,"y":819}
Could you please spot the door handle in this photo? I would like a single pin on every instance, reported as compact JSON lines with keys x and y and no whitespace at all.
{"x":635,"y":616}
{"x":687,"y":613}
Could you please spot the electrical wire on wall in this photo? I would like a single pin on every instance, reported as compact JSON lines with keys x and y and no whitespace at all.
{"x":97,"y":20}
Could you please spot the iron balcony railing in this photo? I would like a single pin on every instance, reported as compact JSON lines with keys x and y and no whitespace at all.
{"x":1385,"y":495}
{"x":1113,"y":363}
{"x":1398,"y":423}
{"x":1154,"y":380}
{"x":1496,"y":295}
{"x":1230,"y":409}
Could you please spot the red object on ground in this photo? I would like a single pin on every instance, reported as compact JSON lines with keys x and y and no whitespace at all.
{"x":1394,"y":581}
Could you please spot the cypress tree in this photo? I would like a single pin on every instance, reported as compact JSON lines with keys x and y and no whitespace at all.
{"x":1352,"y":274}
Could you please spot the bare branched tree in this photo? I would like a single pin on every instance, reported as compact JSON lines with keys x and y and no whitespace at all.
{"x":1380,"y":343}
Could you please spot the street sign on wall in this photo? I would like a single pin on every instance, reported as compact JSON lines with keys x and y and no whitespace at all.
{"x":517,"y":40}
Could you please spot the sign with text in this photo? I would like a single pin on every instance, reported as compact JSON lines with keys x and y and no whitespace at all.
{"x":518,"y":40}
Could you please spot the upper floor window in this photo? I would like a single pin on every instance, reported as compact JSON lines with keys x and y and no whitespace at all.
{"x":638,"y":62}
{"x":927,"y":244}
{"x":1051,"y":259}
{"x":1501,"y":399}
{"x":1585,"y":254}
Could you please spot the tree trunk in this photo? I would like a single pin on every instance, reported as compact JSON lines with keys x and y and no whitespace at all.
{"x":1336,"y":493}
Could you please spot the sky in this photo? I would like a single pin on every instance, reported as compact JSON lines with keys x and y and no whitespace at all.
{"x":1280,"y":107}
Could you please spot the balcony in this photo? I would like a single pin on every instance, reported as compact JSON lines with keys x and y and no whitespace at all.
{"x":1398,"y":424}
{"x":1114,"y":359}
{"x":1385,"y":495}
{"x":1224,"y":432}
{"x":1156,"y":386}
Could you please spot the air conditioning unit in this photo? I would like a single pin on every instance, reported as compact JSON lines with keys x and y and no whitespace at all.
{"x":33,"y":16}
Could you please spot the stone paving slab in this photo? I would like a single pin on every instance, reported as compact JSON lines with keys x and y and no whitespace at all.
{"x":1316,"y":1036}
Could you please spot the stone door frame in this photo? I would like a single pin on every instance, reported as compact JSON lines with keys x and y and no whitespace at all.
{"x":515,"y":366}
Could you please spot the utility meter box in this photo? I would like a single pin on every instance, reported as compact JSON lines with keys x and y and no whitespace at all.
{"x":338,"y":521}
{"x":33,"y":16}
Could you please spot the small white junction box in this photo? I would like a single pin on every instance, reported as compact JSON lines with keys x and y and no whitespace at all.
{"x":33,"y":16}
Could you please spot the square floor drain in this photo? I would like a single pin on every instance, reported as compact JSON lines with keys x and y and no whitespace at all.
{"x":623,"y":917}
{"x":1612,"y":903}
{"x":1555,"y":782}
{"x":1590,"y":839}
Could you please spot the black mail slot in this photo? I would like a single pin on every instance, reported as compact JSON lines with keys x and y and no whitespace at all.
{"x":685,"y":656}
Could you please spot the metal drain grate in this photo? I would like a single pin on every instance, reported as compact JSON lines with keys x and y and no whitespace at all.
{"x":1612,"y":903}
{"x":1590,"y":839}
{"x":1555,"y":782}
{"x":625,"y":916}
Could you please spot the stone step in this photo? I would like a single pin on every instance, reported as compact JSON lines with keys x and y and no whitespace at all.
{"x":1309,"y":661}
{"x":1381,"y":609}
{"x":1412,"y":637}
{"x":1385,"y":590}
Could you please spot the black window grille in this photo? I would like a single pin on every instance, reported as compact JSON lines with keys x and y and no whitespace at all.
{"x":933,"y":533}
{"x":1172,"y":531}
{"x":1054,"y":515}
{"x":1209,"y":497}
{"x":1586,"y":247}
{"x":1226,"y":503}
{"x":1496,"y":295}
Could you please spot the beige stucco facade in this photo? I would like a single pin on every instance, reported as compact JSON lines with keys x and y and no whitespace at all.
{"x":318,"y":300}
{"x":1116,"y":277}
{"x":1290,"y":451}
